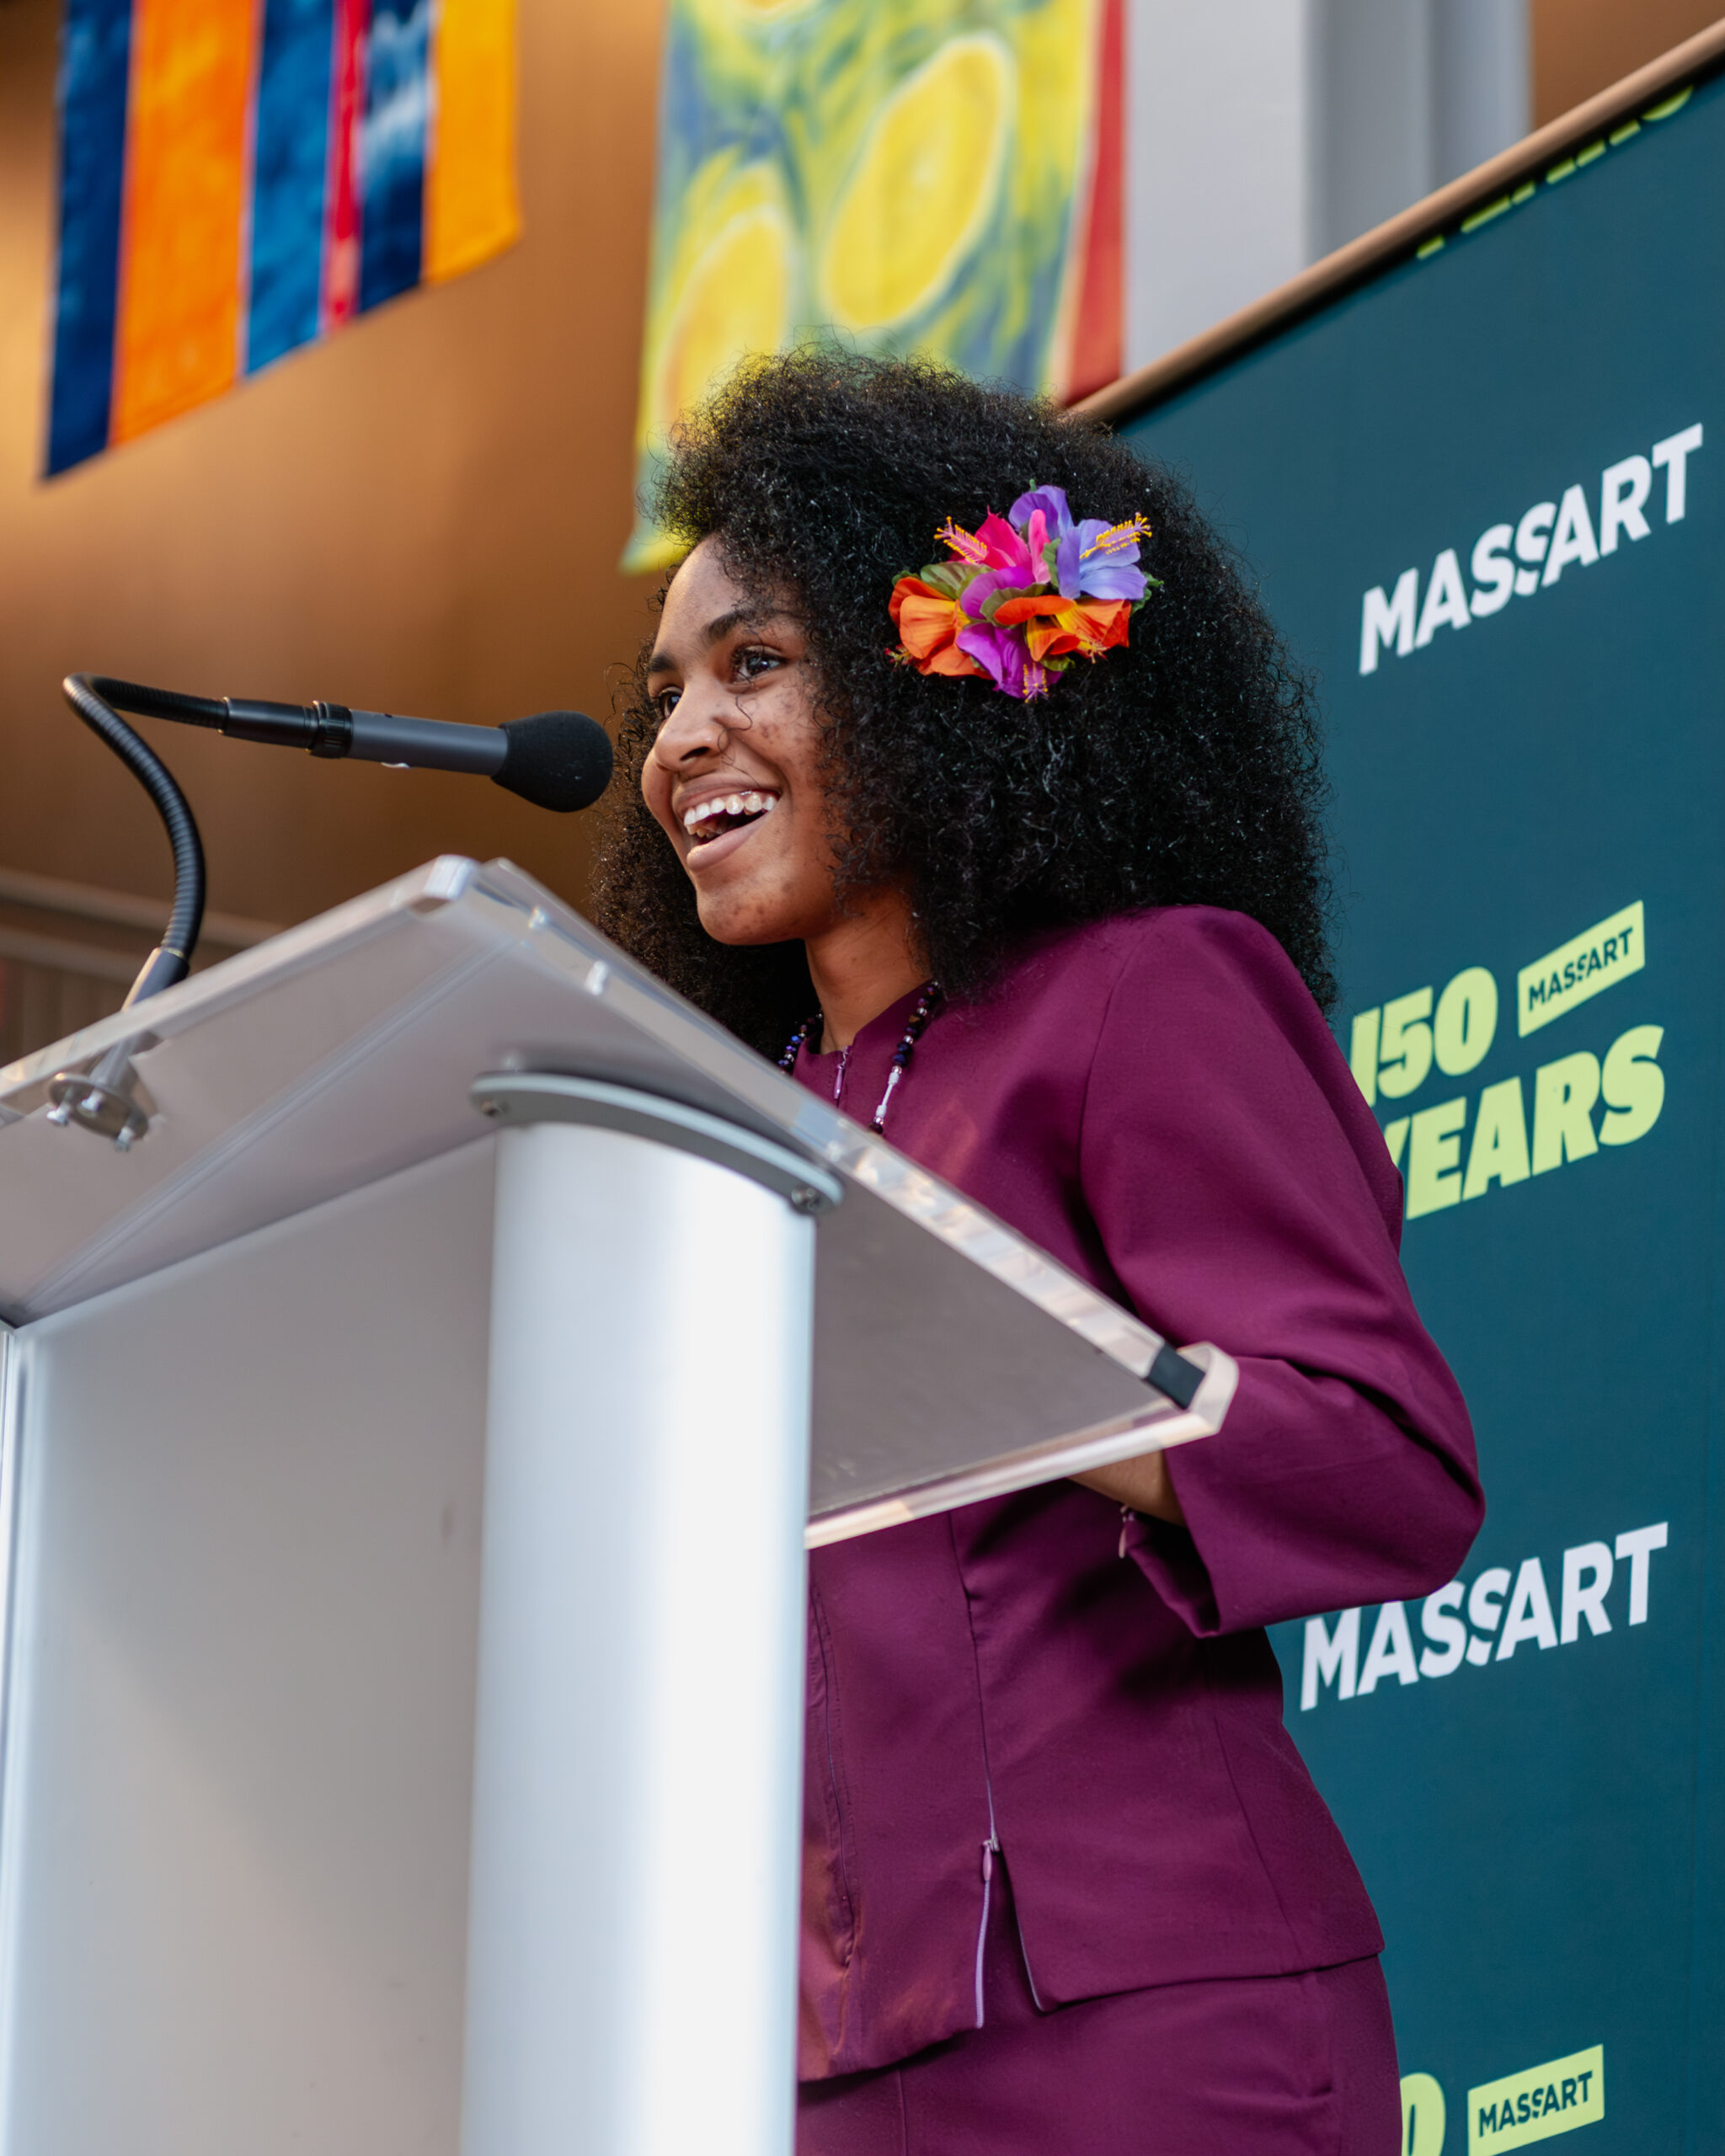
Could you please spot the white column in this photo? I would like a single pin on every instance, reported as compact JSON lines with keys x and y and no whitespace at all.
{"x":1481,"y":82}
{"x":632,"y":1957}
{"x":1371,"y":114}
{"x":1263,"y":134}
{"x":1218,"y":177}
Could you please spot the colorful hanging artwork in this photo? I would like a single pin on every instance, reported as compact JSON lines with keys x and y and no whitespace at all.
{"x":239,"y":177}
{"x":934,"y":176}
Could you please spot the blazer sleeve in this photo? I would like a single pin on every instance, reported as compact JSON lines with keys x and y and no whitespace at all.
{"x":1243,"y":1195}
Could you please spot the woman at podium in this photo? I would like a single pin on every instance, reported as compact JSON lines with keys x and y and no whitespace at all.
{"x":976,"y":787}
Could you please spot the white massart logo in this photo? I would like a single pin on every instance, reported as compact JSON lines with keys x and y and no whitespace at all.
{"x":1514,"y":561}
{"x":1468,"y":1625}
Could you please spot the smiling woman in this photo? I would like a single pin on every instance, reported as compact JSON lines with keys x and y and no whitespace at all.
{"x":736,"y":777}
{"x":1038,"y":890}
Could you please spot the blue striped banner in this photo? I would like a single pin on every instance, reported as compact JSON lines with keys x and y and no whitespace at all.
{"x":289,"y":178}
{"x":95,"y":54}
{"x":392,"y":149}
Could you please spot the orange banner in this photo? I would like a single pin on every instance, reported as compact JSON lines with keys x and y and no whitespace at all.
{"x":176,"y":336}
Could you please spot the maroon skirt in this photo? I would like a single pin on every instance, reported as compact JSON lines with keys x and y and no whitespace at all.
{"x":1253,"y":2066}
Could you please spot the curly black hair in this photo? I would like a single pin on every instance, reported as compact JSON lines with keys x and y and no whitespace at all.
{"x":1183,"y":770}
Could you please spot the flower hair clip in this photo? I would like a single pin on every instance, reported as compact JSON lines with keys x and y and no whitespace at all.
{"x":1024,"y":597}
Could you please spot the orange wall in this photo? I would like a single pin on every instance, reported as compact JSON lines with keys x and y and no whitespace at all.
{"x":423,"y":515}
{"x":1581,"y":47}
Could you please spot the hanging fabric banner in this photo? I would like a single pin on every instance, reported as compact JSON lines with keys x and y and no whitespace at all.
{"x":238,"y":179}
{"x":932,"y":176}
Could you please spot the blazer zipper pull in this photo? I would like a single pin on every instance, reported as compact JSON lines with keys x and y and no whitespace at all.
{"x":991,"y":1849}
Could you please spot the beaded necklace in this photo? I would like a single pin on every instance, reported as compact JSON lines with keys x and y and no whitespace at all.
{"x":810,"y":1029}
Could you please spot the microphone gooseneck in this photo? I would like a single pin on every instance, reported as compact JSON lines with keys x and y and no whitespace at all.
{"x":171,"y":959}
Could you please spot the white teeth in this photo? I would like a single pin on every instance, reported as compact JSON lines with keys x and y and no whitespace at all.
{"x":734,"y":804}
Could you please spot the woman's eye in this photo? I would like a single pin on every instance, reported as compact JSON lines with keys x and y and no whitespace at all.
{"x":665,"y":703}
{"x":754,"y":661}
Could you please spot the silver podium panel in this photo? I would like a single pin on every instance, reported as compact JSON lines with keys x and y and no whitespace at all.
{"x":239,"y":1732}
{"x":345,"y":1050}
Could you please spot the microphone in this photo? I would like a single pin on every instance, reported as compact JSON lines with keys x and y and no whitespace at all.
{"x":557,"y":760}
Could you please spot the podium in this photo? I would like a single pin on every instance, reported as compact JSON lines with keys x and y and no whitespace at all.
{"x":410,"y":1447}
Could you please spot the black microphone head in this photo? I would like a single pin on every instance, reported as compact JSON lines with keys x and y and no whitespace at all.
{"x":558,"y":759}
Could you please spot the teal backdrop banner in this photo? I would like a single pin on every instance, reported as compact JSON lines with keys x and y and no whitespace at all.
{"x":1485,"y":497}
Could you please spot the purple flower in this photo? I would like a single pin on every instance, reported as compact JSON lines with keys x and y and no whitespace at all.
{"x":1002,"y":653}
{"x":976,"y":595}
{"x":1051,"y":501}
{"x":1095,"y":560}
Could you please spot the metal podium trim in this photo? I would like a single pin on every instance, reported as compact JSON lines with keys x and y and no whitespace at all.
{"x":1158,"y":1426}
{"x":513,"y":1097}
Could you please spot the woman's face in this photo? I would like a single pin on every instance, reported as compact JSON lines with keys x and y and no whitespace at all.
{"x":733,"y":775}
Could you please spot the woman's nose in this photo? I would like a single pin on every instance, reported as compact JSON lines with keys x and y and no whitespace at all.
{"x":691,"y":732}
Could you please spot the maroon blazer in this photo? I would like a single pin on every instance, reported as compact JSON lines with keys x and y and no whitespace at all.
{"x":1155,"y":1100}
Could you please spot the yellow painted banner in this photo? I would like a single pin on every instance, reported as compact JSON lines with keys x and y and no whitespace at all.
{"x":902,"y":175}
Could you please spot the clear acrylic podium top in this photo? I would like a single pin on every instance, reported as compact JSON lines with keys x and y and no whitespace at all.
{"x":952,"y":1359}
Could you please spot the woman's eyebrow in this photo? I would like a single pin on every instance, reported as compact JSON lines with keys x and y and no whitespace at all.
{"x":719,"y":627}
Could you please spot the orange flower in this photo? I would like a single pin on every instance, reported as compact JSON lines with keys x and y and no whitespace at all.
{"x":1086,"y":627}
{"x":928,"y":622}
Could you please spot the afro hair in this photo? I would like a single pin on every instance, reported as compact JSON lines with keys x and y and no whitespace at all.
{"x":1183,"y":770}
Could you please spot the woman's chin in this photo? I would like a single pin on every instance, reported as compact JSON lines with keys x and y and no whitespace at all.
{"x":735,"y":919}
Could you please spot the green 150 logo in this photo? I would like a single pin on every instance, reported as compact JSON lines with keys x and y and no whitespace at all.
{"x":1461,"y":1148}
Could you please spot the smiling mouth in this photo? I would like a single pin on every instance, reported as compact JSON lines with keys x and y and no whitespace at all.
{"x":731,"y":812}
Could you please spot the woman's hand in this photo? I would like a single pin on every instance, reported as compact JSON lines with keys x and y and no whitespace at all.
{"x":1144,"y":1484}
